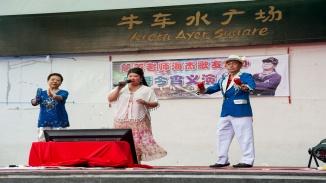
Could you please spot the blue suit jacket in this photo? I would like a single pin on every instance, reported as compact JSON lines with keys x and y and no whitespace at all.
{"x":236,"y":101}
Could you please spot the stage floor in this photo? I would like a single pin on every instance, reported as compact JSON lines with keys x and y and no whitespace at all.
{"x":163,"y":174}
{"x":167,"y":169}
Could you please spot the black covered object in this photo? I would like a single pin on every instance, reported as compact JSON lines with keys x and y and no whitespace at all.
{"x":318,"y":152}
{"x":79,"y":135}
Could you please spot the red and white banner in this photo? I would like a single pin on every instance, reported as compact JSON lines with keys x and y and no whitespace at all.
{"x":178,"y":78}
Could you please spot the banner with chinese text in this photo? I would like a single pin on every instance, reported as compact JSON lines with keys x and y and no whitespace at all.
{"x":178,"y":78}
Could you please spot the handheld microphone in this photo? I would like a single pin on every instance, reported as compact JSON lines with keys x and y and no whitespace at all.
{"x":122,"y":83}
{"x":38,"y":95}
{"x":201,"y":86}
{"x":237,"y":81}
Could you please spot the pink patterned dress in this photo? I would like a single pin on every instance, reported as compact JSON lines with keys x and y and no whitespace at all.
{"x":137,"y":118}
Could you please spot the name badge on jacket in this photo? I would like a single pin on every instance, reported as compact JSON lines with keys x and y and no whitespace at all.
{"x":242,"y":101}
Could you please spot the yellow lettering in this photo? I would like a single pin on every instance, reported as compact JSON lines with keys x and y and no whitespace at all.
{"x":246,"y":32}
{"x":134,"y":36}
{"x":263,"y":31}
{"x":239,"y":32}
{"x":197,"y":35}
{"x":151,"y":37}
{"x":227,"y":33}
{"x":190,"y":35}
{"x":236,"y":34}
{"x":159,"y":37}
{"x":219,"y":33}
{"x":180,"y":35}
{"x":204,"y":34}
{"x":166,"y":37}
{"x":254,"y":31}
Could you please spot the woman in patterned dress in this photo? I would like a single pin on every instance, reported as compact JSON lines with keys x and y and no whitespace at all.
{"x":133,"y":103}
{"x":53,"y":114}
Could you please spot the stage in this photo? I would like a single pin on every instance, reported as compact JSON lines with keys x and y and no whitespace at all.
{"x":99,"y":162}
{"x":160,"y":174}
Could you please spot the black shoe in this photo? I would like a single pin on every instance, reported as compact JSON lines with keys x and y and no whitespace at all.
{"x":242,"y":165}
{"x":219,"y":165}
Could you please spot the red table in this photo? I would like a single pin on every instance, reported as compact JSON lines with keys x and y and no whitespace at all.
{"x":107,"y":154}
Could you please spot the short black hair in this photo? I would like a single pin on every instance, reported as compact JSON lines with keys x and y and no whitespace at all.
{"x":55,"y":74}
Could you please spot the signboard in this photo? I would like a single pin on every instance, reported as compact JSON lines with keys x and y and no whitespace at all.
{"x":163,"y":28}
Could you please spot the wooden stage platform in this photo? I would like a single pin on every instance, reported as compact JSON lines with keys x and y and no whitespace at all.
{"x":160,"y":174}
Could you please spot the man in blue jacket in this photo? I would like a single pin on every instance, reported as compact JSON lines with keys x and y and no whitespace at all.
{"x":236,"y":114}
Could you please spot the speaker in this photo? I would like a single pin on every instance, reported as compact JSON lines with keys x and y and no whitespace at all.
{"x":78,"y":135}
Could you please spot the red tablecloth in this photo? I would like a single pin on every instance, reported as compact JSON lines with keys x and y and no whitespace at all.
{"x":107,"y":154}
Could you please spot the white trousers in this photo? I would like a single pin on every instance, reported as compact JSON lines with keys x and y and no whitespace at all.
{"x":242,"y":128}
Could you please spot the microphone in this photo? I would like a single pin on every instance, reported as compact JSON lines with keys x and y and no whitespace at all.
{"x":122,"y":83}
{"x":237,"y":81}
{"x":201,"y":86}
{"x":38,"y":95}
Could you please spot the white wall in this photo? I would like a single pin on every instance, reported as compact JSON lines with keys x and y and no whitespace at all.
{"x":186,"y":128}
